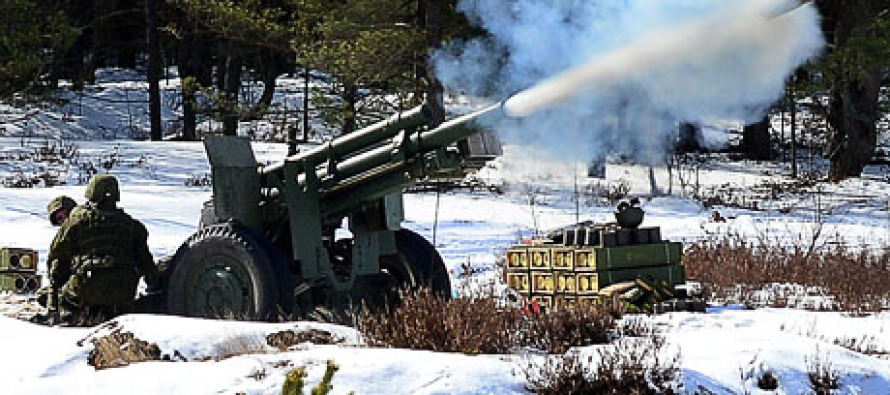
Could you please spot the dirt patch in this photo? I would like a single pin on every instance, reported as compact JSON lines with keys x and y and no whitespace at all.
{"x":121,"y":349}
{"x":287,"y":339}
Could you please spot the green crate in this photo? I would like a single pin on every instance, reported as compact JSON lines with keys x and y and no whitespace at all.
{"x":19,"y":282}
{"x":18,"y":259}
{"x":627,"y":257}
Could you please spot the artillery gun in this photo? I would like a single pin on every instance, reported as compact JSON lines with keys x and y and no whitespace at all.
{"x":268,"y":238}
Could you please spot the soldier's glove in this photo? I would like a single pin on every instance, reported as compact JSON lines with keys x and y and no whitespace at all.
{"x":52,"y":300}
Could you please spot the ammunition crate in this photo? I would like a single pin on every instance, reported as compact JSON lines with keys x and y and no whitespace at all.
{"x":542,"y":283}
{"x":671,"y":275}
{"x":18,"y":259}
{"x":565,"y":301}
{"x":563,"y":258}
{"x":519,"y":282}
{"x":584,"y":301}
{"x":566,"y":282}
{"x":19,"y":282}
{"x":539,"y":258}
{"x":542,"y":300}
{"x":632,"y":256}
{"x":588,"y":283}
{"x":585,"y":259}
{"x":517,"y":259}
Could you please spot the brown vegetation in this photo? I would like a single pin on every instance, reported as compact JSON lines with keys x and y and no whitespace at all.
{"x":480,"y":325}
{"x":733,"y":269}
{"x":121,"y":349}
{"x":632,"y":366}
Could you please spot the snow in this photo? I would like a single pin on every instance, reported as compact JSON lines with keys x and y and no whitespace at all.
{"x":724,"y":350}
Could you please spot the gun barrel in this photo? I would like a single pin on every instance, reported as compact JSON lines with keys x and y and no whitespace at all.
{"x":447,"y":133}
{"x":380,"y":131}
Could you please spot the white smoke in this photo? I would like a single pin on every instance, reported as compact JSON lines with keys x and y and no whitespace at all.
{"x":617,"y":76}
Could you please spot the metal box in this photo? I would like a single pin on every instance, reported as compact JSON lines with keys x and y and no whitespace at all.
{"x":542,"y":300}
{"x":519,"y":282}
{"x":588,"y":283}
{"x":542,"y":283}
{"x":18,"y":259}
{"x":566,"y":283}
{"x":539,"y":258}
{"x":517,"y":259}
{"x":19,"y":282}
{"x":563,"y":258}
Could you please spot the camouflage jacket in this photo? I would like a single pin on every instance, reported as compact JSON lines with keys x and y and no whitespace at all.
{"x":98,"y":255}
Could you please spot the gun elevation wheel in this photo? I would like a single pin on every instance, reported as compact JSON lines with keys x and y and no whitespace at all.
{"x":224,"y":271}
{"x":416,"y":264}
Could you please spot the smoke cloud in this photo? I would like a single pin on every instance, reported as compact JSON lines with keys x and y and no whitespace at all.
{"x":609,"y":76}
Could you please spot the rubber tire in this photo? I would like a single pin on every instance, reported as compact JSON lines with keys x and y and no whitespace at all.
{"x":245,"y":257}
{"x":417,"y":264}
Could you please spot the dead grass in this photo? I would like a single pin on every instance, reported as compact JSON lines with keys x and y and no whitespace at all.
{"x":286,"y":339}
{"x":824,"y":378}
{"x":121,"y":349}
{"x":737,"y":270}
{"x":480,"y":325}
{"x":632,"y":366}
{"x":236,"y":345}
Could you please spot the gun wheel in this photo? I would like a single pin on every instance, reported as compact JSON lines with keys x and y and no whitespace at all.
{"x":416,"y":264}
{"x":224,"y":271}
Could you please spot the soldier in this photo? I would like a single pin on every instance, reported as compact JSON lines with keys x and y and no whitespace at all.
{"x":97,"y":257}
{"x":59,"y":209}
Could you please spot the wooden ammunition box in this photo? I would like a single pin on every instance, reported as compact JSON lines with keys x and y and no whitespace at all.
{"x":539,"y":258}
{"x":542,"y":283}
{"x":588,"y":283}
{"x":587,"y":301}
{"x":563,"y":258}
{"x":519,"y":282}
{"x":19,"y":282}
{"x":517,"y":259}
{"x":545,"y":301}
{"x":18,"y":259}
{"x":565,"y":301}
{"x":566,"y":283}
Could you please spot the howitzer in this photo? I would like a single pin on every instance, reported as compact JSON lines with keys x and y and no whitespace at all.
{"x":270,"y":239}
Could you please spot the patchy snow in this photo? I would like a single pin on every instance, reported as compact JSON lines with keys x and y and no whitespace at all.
{"x":724,"y":350}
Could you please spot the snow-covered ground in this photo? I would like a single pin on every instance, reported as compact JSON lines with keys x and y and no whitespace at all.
{"x":723,"y":351}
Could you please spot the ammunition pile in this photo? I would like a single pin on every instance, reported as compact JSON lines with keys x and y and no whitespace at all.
{"x":18,"y":270}
{"x":572,"y":269}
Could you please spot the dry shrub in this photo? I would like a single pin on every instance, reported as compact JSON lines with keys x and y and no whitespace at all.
{"x":768,"y":381}
{"x":121,"y":349}
{"x":286,"y":339}
{"x":824,"y":378}
{"x":480,"y":325}
{"x":737,"y":270}
{"x":633,"y":366}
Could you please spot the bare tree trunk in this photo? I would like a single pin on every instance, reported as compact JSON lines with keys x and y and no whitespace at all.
{"x":853,"y":105}
{"x":232,"y":84}
{"x":350,"y":97}
{"x":430,"y":18}
{"x":154,"y":69}
{"x":187,"y":75}
{"x":756,"y":142}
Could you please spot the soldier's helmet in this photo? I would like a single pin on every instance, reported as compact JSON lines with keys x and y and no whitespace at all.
{"x":58,"y":204}
{"x":103,"y":188}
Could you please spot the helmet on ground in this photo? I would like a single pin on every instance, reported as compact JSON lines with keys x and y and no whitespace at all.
{"x":103,"y":188}
{"x":58,"y":204}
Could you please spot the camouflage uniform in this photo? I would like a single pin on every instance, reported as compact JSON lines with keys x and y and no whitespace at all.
{"x":97,"y":257}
